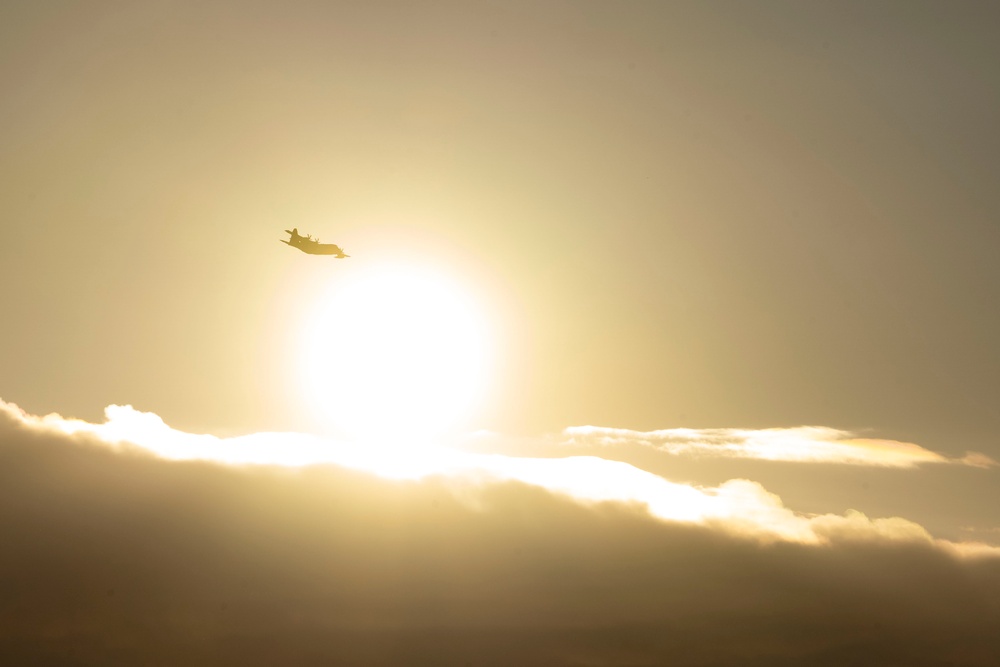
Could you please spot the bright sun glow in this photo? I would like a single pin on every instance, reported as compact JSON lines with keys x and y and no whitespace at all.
{"x":394,"y":354}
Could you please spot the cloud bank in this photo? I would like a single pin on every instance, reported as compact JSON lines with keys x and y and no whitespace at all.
{"x":806,"y":444}
{"x":738,"y":507}
{"x":156,"y":552}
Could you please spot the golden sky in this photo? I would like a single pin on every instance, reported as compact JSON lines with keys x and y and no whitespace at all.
{"x":716,"y":275}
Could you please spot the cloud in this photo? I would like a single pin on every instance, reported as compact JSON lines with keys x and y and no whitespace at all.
{"x":738,"y":507}
{"x":807,"y":444}
{"x":114,"y":554}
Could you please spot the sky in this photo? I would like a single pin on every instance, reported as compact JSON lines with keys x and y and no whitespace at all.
{"x":667,"y":332}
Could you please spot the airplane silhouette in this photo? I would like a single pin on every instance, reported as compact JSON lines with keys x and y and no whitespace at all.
{"x":311,"y":246}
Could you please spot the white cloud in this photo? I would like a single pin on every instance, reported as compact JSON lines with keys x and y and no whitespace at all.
{"x":738,"y":507}
{"x":807,"y":444}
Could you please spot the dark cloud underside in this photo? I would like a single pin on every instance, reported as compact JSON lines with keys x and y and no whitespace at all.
{"x":112,"y":558}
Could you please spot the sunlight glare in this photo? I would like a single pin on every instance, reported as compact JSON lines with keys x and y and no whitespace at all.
{"x":394,"y":354}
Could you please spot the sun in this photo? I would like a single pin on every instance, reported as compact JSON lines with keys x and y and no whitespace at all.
{"x":394,"y":353}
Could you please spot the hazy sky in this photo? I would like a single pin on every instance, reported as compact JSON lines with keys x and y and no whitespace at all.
{"x":738,"y":240}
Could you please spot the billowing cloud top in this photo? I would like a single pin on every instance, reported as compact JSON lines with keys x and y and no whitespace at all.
{"x":129,"y":542}
{"x":810,"y":444}
{"x":737,"y":507}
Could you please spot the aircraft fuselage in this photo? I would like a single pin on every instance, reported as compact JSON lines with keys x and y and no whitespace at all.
{"x":313,"y":247}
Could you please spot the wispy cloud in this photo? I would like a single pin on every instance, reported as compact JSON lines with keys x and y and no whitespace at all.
{"x":806,"y":444}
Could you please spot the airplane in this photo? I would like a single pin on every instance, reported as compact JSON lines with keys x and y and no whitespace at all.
{"x":311,"y":246}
